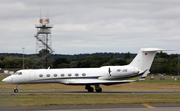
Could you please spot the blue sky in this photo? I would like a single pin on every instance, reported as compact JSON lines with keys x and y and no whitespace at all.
{"x":89,"y":26}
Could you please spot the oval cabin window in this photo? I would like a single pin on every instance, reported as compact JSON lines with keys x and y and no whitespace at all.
{"x":62,"y":75}
{"x":69,"y":74}
{"x":83,"y":74}
{"x":76,"y":74}
{"x":48,"y":75}
{"x":55,"y":75}
{"x":40,"y":75}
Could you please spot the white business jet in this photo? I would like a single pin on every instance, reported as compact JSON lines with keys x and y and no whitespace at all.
{"x":106,"y":75}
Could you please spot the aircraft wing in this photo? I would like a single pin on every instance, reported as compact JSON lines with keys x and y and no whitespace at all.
{"x":97,"y":81}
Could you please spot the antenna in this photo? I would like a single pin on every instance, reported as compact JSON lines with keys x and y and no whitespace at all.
{"x":40,"y":13}
{"x":47,"y":12}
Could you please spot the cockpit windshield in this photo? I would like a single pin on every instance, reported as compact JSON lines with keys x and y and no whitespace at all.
{"x":17,"y":73}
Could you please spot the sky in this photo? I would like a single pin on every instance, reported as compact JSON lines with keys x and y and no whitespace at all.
{"x":90,"y":26}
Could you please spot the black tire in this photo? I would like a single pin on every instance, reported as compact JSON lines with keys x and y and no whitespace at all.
{"x":99,"y":90}
{"x":16,"y":90}
{"x":90,"y":89}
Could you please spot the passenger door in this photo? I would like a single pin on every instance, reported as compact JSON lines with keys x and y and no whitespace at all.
{"x":31,"y":76}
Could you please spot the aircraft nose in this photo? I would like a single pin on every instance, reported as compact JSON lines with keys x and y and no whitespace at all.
{"x":7,"y":80}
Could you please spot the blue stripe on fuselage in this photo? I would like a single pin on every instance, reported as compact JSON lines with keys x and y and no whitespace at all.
{"x":95,"y":77}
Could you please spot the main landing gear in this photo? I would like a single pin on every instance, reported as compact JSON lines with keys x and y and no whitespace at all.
{"x":16,"y":89}
{"x":91,"y":89}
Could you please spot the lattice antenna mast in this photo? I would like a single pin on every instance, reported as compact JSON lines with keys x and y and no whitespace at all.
{"x":43,"y":40}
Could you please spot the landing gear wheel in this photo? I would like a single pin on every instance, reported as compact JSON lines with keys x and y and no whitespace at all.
{"x":90,"y":89}
{"x":99,"y":90}
{"x":16,"y":90}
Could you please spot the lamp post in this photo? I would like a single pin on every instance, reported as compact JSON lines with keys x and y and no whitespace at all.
{"x":23,"y":57}
{"x":178,"y":67}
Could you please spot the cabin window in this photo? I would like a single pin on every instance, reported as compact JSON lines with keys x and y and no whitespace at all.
{"x":69,"y":74}
{"x":83,"y":74}
{"x":62,"y":75}
{"x":76,"y":74}
{"x":20,"y":73}
{"x":40,"y":75}
{"x":55,"y":75}
{"x":48,"y":75}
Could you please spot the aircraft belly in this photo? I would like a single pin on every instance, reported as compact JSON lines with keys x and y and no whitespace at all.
{"x":92,"y":81}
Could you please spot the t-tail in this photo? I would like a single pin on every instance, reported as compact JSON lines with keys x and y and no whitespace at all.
{"x":144,"y":59}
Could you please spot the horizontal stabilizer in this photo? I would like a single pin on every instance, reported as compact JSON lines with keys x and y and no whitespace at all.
{"x":154,"y":49}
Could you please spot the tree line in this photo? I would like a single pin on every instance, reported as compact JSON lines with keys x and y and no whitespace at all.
{"x":163,"y":63}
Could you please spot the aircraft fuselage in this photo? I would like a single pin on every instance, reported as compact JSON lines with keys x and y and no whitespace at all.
{"x":65,"y":76}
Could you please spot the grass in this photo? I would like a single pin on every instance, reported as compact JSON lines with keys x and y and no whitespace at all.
{"x":84,"y":99}
{"x":91,"y":99}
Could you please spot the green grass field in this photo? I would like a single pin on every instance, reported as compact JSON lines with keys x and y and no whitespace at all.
{"x":90,"y":99}
{"x":84,"y":99}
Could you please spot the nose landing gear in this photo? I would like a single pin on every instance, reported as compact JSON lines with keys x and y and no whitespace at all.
{"x":16,"y":89}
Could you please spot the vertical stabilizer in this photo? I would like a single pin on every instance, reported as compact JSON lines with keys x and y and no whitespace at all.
{"x":144,"y":58}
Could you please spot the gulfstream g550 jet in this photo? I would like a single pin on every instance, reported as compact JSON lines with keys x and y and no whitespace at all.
{"x":106,"y":75}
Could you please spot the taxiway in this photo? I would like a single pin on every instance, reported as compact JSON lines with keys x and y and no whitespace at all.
{"x":116,"y":107}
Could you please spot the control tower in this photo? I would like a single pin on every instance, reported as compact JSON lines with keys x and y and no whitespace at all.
{"x":43,"y":42}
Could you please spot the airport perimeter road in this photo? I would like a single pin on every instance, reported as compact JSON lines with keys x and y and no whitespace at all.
{"x":85,"y":92}
{"x":117,"y":107}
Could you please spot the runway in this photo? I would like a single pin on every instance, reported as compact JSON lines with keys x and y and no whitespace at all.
{"x":85,"y":92}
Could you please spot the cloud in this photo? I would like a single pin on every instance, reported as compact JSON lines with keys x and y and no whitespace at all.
{"x":91,"y":26}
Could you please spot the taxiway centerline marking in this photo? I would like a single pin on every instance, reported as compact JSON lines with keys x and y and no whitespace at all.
{"x":148,"y":106}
